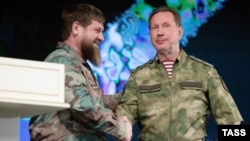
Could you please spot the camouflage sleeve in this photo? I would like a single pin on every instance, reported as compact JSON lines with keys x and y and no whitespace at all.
{"x":111,"y":101}
{"x":128,"y":102}
{"x":87,"y":106}
{"x":223,"y":107}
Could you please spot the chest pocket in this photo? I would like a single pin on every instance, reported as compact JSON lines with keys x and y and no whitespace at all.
{"x":190,"y":85}
{"x":150,"y":90}
{"x":150,"y":100}
{"x":192,"y":90}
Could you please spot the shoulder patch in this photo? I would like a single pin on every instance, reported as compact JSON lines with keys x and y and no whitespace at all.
{"x":200,"y":61}
{"x":223,"y":84}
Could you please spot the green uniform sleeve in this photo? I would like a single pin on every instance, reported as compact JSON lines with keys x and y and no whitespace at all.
{"x":111,"y":101}
{"x":223,"y":107}
{"x":86,"y":102}
{"x":128,"y":102}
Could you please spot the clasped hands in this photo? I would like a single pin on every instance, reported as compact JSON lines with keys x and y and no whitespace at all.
{"x":128,"y":129}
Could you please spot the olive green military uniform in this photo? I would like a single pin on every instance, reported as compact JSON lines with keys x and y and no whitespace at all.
{"x":176,"y":110}
{"x":90,"y":116}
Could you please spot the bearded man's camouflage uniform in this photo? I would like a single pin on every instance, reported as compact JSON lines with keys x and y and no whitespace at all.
{"x":90,"y":115}
{"x":176,"y":110}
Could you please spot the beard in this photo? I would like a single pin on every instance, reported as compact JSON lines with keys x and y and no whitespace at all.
{"x":91,"y":52}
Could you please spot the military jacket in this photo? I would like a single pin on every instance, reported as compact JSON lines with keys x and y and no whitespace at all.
{"x":176,"y":110}
{"x":90,"y":115}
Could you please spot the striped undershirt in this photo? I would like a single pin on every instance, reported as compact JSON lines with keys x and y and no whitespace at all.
{"x":169,"y":67}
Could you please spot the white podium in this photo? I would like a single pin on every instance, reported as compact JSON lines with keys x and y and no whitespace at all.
{"x":28,"y":88}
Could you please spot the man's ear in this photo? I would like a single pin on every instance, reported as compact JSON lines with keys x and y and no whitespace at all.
{"x":75,"y":27}
{"x":181,"y":31}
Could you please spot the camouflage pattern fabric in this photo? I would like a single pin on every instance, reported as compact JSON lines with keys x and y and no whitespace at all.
{"x":89,"y":118}
{"x":176,"y":110}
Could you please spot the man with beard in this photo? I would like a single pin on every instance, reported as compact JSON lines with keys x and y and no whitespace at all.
{"x":90,"y":116}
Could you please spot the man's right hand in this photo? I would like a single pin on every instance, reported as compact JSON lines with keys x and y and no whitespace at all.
{"x":128,"y":129}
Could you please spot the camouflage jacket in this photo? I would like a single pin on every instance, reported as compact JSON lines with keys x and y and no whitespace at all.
{"x":176,"y":110}
{"x":91,"y":114}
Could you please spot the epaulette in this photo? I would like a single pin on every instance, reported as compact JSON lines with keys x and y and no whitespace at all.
{"x":143,"y":65}
{"x":200,"y":61}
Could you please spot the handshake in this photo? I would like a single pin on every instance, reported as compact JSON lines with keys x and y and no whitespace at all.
{"x":128,"y":129}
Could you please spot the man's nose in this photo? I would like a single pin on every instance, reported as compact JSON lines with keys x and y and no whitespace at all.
{"x":101,"y":37}
{"x":160,"y":31}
